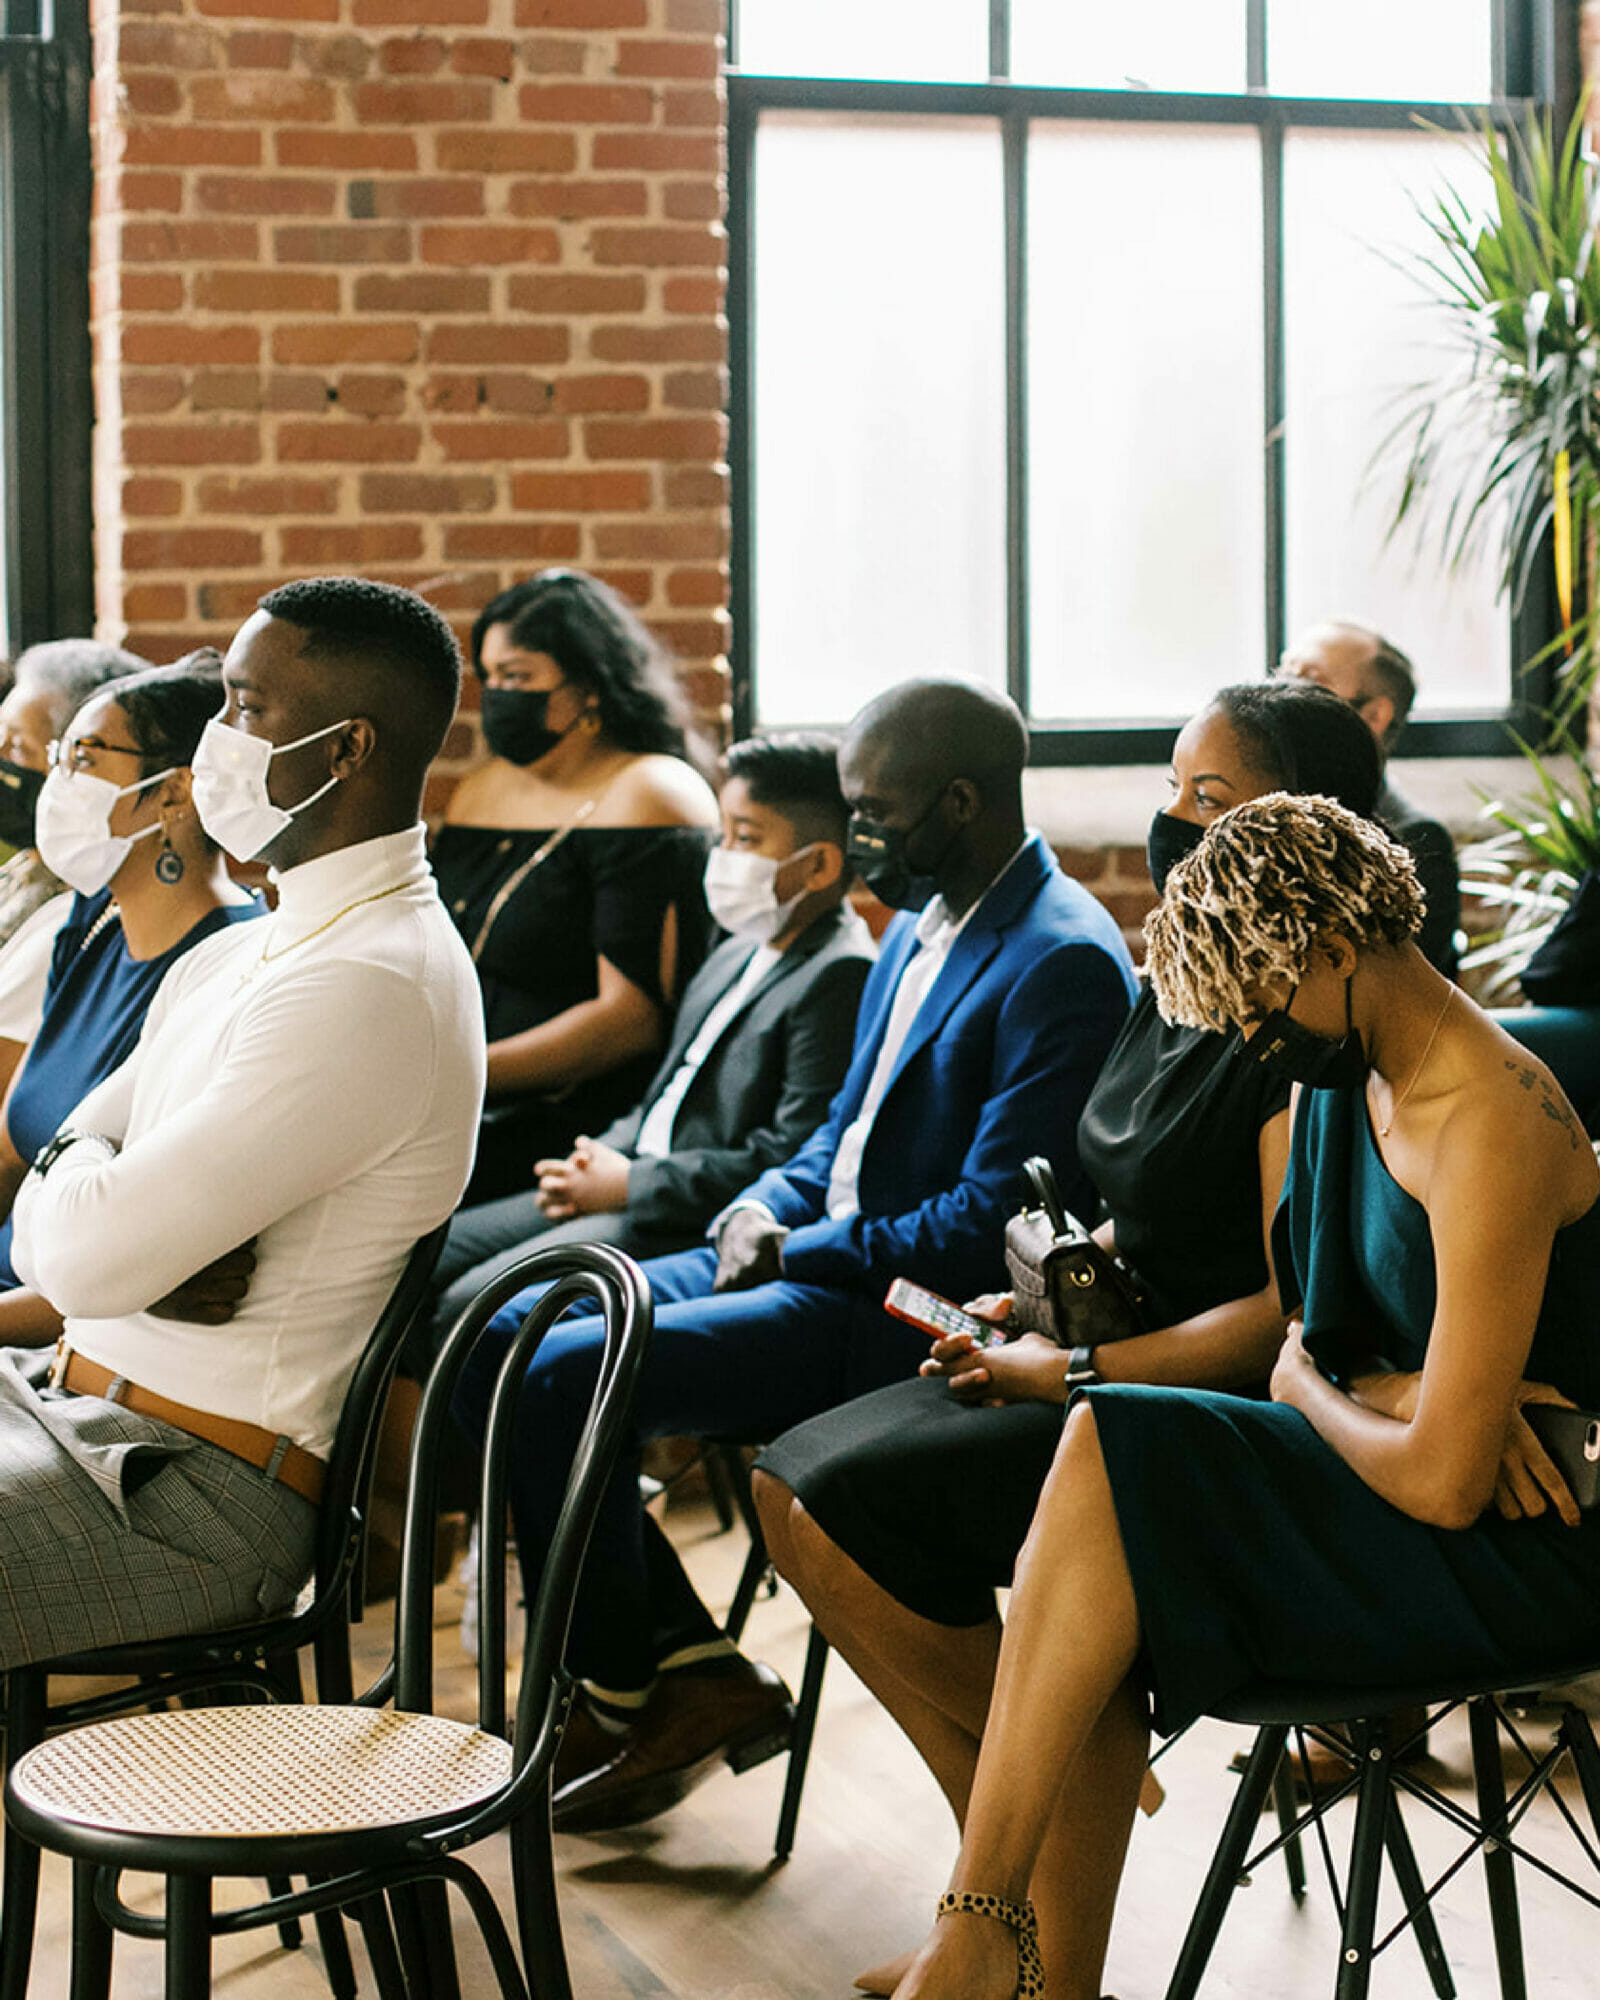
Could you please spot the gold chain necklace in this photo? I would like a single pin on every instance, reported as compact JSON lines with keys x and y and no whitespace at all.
{"x":271,"y":957}
{"x":1416,"y":1075}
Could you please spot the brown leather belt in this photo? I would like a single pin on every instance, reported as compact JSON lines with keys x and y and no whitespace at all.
{"x":300,"y":1470}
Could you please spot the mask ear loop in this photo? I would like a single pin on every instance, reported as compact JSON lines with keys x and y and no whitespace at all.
{"x":322,"y":791}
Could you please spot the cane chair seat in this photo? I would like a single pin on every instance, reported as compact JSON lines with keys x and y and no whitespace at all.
{"x":226,"y":1773}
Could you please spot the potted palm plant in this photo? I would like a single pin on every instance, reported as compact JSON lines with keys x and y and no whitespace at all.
{"x":1507,"y":444}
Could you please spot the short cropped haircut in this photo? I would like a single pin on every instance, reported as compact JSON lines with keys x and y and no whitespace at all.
{"x":797,"y":774}
{"x":352,"y":618}
{"x":67,"y":671}
{"x":1271,"y":879}
{"x":1305,"y":739}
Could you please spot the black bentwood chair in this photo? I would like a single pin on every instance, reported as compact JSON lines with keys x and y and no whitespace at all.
{"x":262,"y":1658}
{"x":369,"y":1803}
{"x":1378,"y":1782}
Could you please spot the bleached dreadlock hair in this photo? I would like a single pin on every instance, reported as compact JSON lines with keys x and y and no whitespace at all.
{"x":1272,"y":878}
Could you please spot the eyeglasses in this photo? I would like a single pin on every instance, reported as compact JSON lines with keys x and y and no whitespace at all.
{"x":80,"y":754}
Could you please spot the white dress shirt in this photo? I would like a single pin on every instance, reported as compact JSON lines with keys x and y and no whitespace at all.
{"x":655,"y":1134}
{"x":313,"y":1081}
{"x":25,"y":961}
{"x":937,"y":931}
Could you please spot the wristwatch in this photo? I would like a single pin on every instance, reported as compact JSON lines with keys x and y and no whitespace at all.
{"x":1081,"y":1371}
{"x":68,"y":1137}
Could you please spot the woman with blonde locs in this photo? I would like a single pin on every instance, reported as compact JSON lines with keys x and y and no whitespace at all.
{"x":1389,"y":1515}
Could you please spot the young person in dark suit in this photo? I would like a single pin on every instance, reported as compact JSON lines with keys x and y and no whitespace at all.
{"x":982,"y":1028}
{"x":761,"y":1042}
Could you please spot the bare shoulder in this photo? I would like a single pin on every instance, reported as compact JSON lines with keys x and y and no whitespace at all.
{"x":483,"y":797}
{"x":1516,"y":1133}
{"x":660,"y":791}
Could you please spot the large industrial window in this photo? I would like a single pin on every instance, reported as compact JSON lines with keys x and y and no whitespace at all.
{"x":1063,"y":336}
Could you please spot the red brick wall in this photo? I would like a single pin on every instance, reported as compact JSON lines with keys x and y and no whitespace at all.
{"x":425,"y":289}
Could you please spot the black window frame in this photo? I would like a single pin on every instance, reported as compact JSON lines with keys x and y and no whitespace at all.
{"x":46,"y":375}
{"x":1536,"y":63}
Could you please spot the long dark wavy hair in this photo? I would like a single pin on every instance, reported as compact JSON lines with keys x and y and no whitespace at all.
{"x":603,"y":648}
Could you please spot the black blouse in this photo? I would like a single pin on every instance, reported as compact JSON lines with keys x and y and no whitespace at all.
{"x":599,"y":891}
{"x":1171,"y":1137}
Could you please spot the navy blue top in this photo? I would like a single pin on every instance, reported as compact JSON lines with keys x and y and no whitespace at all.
{"x":95,"y":1002}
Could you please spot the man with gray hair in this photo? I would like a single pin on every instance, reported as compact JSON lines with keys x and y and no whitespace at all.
{"x":1363,"y":668}
{"x":50,"y":682}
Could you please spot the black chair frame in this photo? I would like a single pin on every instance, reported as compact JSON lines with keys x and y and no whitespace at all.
{"x":1355,"y":1725}
{"x":405,"y":1870}
{"x":260,"y":1659}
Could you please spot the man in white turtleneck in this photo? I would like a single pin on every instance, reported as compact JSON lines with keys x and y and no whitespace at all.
{"x":310,"y":1089}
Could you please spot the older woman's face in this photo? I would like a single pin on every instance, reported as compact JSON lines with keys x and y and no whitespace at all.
{"x":27,"y":728}
{"x":1210,"y":771}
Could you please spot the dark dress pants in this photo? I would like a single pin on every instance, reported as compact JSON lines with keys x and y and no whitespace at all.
{"x":737,"y":1365}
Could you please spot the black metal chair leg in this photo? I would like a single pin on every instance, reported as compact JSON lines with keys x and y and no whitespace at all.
{"x":341,"y":1973}
{"x":382,"y":1952}
{"x":533,"y":1882}
{"x":1287,"y":1807}
{"x":719,"y":1484}
{"x":1408,"y":1880}
{"x":1223,"y":1874}
{"x":1499,"y":1864}
{"x":444,"y":1979}
{"x":805,"y":1728}
{"x":1366,"y":1862}
{"x":26,"y":1695}
{"x":92,"y":1937}
{"x":188,"y":1937}
{"x":290,"y":1935}
{"x":1577,"y":1734}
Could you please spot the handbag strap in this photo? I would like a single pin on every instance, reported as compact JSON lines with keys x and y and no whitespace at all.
{"x":1041,"y":1179}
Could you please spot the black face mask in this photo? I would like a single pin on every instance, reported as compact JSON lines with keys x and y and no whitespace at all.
{"x":1301,"y":1054}
{"x":879,"y":855}
{"x":19,"y":795}
{"x":515,"y":723}
{"x":1170,"y":839}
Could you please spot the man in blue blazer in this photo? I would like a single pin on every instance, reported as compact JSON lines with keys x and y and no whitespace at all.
{"x":980,"y":1034}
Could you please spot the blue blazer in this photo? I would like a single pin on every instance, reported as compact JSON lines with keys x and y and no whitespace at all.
{"x":998,"y":1064}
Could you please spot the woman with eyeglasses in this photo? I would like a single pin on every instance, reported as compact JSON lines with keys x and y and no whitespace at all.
{"x":115,"y":822}
{"x":572,"y":862}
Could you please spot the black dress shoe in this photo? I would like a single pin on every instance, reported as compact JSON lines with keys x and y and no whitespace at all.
{"x":586,"y":1746}
{"x":695,"y":1720}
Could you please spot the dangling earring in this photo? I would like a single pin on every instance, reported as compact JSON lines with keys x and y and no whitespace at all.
{"x":169,"y":863}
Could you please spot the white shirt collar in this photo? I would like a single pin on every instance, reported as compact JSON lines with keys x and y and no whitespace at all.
{"x":316,"y":889}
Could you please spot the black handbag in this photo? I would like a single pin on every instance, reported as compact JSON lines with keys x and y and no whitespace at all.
{"x":1063,"y":1284}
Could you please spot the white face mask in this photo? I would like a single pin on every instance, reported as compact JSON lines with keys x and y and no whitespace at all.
{"x":741,"y":892}
{"x":230,"y":787}
{"x":72,"y":827}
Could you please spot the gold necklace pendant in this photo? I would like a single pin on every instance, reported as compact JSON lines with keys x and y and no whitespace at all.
{"x":270,"y":957}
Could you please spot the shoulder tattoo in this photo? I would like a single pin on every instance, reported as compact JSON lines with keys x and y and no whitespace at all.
{"x":1551,"y":1102}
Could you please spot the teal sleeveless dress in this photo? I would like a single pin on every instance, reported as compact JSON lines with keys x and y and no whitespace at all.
{"x":1257,"y":1554}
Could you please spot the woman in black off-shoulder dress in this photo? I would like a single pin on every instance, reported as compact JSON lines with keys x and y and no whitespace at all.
{"x":572,"y":861}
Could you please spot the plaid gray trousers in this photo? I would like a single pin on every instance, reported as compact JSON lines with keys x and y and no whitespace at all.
{"x":116,"y":1527}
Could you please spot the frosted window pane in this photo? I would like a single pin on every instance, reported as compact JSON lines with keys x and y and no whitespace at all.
{"x":946,"y":40}
{"x":1145,"y":425}
{"x":1427,"y":51}
{"x":1158,"y":45}
{"x":1358,"y":329}
{"x":879,"y":409}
